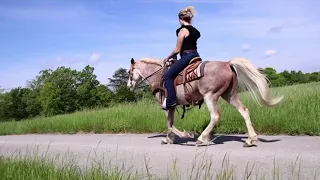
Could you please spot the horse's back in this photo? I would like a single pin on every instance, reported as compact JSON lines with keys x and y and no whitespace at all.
{"x":218,"y":69}
{"x":217,"y":76}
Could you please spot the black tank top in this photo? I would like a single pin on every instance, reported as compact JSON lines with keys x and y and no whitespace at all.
{"x":189,"y":42}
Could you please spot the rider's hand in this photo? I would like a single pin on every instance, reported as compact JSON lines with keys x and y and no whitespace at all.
{"x":168,"y":61}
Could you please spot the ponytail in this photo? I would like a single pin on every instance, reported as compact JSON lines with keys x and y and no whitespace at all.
{"x":187,"y":12}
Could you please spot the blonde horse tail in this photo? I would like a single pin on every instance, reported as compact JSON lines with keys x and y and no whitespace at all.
{"x":254,"y":81}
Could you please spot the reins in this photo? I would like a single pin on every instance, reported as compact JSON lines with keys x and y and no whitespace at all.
{"x":149,"y":76}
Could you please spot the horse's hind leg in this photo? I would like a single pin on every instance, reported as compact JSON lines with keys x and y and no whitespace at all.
{"x":212,"y":104}
{"x":234,"y":100}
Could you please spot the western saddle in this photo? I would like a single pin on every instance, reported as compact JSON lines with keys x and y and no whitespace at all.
{"x":193,"y":71}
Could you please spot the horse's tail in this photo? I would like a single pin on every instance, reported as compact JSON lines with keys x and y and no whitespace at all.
{"x":254,"y":81}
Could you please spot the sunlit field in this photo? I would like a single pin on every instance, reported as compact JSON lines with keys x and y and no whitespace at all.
{"x":299,"y":114}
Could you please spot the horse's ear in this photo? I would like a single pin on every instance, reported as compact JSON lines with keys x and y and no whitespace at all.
{"x":132,"y":61}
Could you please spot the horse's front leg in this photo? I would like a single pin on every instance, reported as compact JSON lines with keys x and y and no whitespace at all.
{"x":170,"y":136}
{"x":172,"y":130}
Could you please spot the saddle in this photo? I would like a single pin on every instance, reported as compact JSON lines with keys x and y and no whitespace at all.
{"x":193,"y":71}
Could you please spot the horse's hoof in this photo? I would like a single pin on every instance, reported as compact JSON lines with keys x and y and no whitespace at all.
{"x":248,"y":145}
{"x":198,"y":142}
{"x":190,"y":135}
{"x":166,"y":141}
{"x":187,"y":134}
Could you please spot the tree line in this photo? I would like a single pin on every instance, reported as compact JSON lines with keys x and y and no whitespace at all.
{"x":65,"y":90}
{"x":287,"y":78}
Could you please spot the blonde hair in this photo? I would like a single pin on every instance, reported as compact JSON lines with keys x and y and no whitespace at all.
{"x":187,"y":12}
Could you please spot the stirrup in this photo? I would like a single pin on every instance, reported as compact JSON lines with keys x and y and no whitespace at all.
{"x":164,"y":105}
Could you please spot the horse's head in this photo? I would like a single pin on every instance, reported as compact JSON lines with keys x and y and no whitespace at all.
{"x":145,"y":69}
{"x":134,"y":75}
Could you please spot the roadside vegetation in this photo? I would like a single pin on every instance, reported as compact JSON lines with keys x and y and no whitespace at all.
{"x":297,"y":115}
{"x":66,"y":166}
{"x":65,"y":100}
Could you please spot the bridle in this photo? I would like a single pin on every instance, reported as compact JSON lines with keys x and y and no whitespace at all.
{"x":140,"y":82}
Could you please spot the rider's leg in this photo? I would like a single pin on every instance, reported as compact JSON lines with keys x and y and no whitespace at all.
{"x":169,"y":76}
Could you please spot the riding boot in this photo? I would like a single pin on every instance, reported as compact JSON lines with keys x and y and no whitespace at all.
{"x":164,"y":105}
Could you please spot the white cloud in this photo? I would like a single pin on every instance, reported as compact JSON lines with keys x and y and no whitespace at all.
{"x":246,"y":47}
{"x":95,"y":58}
{"x":270,"y":53}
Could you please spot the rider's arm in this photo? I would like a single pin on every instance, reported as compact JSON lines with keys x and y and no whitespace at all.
{"x":181,"y":35}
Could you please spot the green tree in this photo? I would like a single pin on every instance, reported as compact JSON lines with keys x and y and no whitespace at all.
{"x":301,"y":77}
{"x":58,"y":94}
{"x":314,"y":77}
{"x":50,"y":98}
{"x":39,"y":80}
{"x":5,"y":106}
{"x":86,"y":88}
{"x":123,"y":94}
{"x":1,"y":90}
{"x":119,"y":78}
{"x":32,"y":102}
{"x":287,"y":76}
{"x":274,"y":78}
{"x":103,"y":95}
{"x":19,"y":107}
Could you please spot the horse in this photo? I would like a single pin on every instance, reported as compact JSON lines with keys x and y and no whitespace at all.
{"x":216,"y":79}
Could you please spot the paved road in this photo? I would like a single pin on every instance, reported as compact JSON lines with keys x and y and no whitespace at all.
{"x":133,"y":148}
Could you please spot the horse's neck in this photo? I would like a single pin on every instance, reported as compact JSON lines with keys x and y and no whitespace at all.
{"x":153,"y":70}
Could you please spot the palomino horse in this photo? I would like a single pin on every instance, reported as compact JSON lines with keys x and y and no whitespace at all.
{"x":218,"y":78}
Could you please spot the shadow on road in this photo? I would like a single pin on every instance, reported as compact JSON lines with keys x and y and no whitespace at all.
{"x":219,"y":139}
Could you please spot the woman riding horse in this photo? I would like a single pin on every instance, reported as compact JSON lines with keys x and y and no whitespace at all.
{"x":187,"y":47}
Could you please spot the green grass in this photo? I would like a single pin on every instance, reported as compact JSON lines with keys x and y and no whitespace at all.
{"x":299,"y":114}
{"x":56,"y":166}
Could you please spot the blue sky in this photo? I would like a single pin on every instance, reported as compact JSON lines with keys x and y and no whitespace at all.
{"x":41,"y":34}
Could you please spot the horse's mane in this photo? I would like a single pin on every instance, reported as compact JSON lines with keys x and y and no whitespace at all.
{"x":152,"y":61}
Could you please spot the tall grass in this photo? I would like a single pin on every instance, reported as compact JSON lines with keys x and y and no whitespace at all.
{"x":299,"y":114}
{"x":41,"y":167}
{"x":65,"y":166}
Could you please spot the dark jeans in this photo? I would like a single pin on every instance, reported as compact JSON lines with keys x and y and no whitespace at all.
{"x":173,"y":72}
